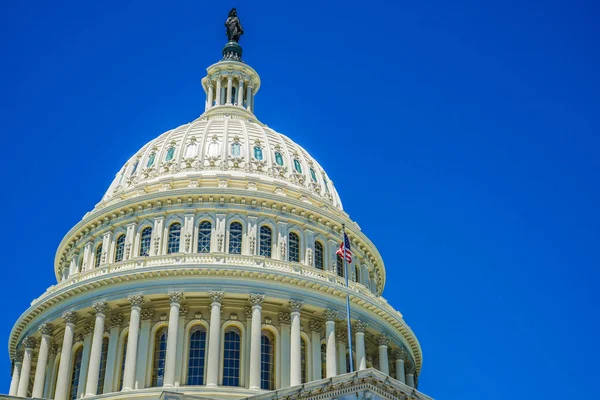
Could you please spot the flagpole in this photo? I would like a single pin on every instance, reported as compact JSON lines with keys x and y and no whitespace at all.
{"x":347,"y":300}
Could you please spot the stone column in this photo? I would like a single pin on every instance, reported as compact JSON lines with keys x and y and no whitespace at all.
{"x":315,"y":341}
{"x":284,"y":322}
{"x":214,"y":349}
{"x":295,"y":344}
{"x":14,"y":382}
{"x":218,"y":90}
{"x":209,"y":102}
{"x":183,"y":310}
{"x":359,"y":338}
{"x":255,"y":351}
{"x":88,"y":330}
{"x":229,"y":87}
{"x":383,"y":341}
{"x":248,"y":313}
{"x":240,"y":100}
{"x":91,"y":387}
{"x":398,"y":355}
{"x":114,"y":324}
{"x":144,"y":350}
{"x":50,"y":371}
{"x":29,"y":345}
{"x":249,"y":106}
{"x":330,"y":315}
{"x":132,"y":342}
{"x":341,"y":336}
{"x":410,"y":374}
{"x":42,"y":362}
{"x":170,"y":358}
{"x":63,"y":381}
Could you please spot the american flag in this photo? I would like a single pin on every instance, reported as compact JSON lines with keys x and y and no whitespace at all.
{"x":344,"y":250}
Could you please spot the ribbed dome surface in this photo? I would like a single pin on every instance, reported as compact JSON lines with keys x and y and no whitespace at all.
{"x":225,"y":146}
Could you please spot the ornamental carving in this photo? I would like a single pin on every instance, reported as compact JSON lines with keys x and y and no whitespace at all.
{"x":19,"y":356}
{"x":29,"y":342}
{"x":219,"y":242}
{"x":216,"y":297}
{"x":188,"y":239}
{"x":88,"y":327}
{"x":284,"y":318}
{"x":100,"y":307}
{"x":248,"y":312}
{"x":175,"y":297}
{"x":283,"y":250}
{"x":46,"y":329}
{"x":316,"y":325}
{"x":256,"y":299}
{"x":383,"y":340}
{"x":54,"y":349}
{"x":360,"y":326}
{"x":296,"y":305}
{"x":147,"y":313}
{"x":70,"y":317}
{"x":156,"y":244}
{"x":183,"y":310}
{"x":127,"y":250}
{"x":136,"y":300}
{"x":115,"y":320}
{"x":330,"y":314}
{"x":341,"y":335}
{"x":410,"y":368}
{"x":252,"y":244}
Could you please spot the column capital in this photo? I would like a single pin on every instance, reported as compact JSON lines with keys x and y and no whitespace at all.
{"x":70,"y":317}
{"x":175,"y":297}
{"x":383,"y":340}
{"x":183,"y":310}
{"x":136,"y":300}
{"x":296,"y":305}
{"x":315,"y":325}
{"x":54,"y":349}
{"x":360,"y":326}
{"x":19,"y":356}
{"x":147,"y":313}
{"x":100,"y":307}
{"x":402,"y":354}
{"x":29,"y":342}
{"x":88,"y":327}
{"x":410,"y":367}
{"x":115,"y":320}
{"x":341,"y":335}
{"x":284,"y":318}
{"x":216,"y":297}
{"x":330,"y":314}
{"x":46,"y":329}
{"x":256,"y":299}
{"x":248,"y":312}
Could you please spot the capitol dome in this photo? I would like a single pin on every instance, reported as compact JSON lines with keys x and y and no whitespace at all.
{"x":211,"y":269}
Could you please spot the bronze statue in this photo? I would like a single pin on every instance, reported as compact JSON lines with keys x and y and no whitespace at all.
{"x":234,"y":28}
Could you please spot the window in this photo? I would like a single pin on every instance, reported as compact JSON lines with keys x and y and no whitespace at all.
{"x":151,"y":160}
{"x":98,"y":255}
{"x":339,"y":265}
{"x":102,"y":371}
{"x":120,"y":248}
{"x":356,"y":274}
{"x":294,"y":247}
{"x":160,"y":352}
{"x":134,"y":167}
{"x":318,"y":255}
{"x":236,"y":149}
{"x":213,"y":148}
{"x":326,"y":185}
{"x":267,"y":363}
{"x":265,"y":241}
{"x":204,"y":230}
{"x":235,"y":238}
{"x":75,"y":374}
{"x":278,"y":158}
{"x":258,"y":153}
{"x":196,"y":356}
{"x":190,"y":150}
{"x":174,"y":238}
{"x":231,"y":358}
{"x":123,"y":362}
{"x":313,"y":175}
{"x":170,"y":154}
{"x":298,"y":166}
{"x":145,"y":241}
{"x":303,"y":367}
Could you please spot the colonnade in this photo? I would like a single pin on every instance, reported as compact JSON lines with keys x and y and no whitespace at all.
{"x":135,"y":363}
{"x":230,"y":89}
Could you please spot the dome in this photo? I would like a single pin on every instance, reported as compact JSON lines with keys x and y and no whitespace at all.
{"x":229,"y":149}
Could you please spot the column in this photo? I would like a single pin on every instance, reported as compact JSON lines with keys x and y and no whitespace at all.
{"x":255,"y":351}
{"x":248,"y":313}
{"x":382,"y":341}
{"x":218,"y":90}
{"x":144,"y":350}
{"x":229,"y":87}
{"x":88,"y":330}
{"x":249,"y":96}
{"x":29,"y":345}
{"x":63,"y":381}
{"x":410,"y":374}
{"x":359,"y":338}
{"x":330,"y":315}
{"x":50,"y":371}
{"x":91,"y":387}
{"x":42,"y":362}
{"x":284,"y":322}
{"x":398,"y":355}
{"x":183,"y":310}
{"x":295,"y":344}
{"x":214,"y":349}
{"x":170,"y":358}
{"x":341,"y":336}
{"x":209,"y":102}
{"x":114,"y":324}
{"x":14,"y":382}
{"x":240,"y":100}
{"x":132,"y":341}
{"x":315,"y":340}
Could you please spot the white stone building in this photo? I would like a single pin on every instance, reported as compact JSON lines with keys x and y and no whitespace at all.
{"x":209,"y":271}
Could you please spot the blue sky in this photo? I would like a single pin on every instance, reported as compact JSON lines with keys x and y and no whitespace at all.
{"x":462,"y":137}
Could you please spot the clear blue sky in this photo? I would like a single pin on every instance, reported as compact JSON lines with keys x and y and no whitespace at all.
{"x":463,"y":137}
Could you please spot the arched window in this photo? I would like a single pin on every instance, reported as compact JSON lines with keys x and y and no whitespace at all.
{"x":236,"y":149}
{"x":75,"y":374}
{"x":151,"y":158}
{"x":120,"y":248}
{"x":123,"y":362}
{"x":213,"y":148}
{"x":303,"y":364}
{"x":235,"y":238}
{"x":190,"y":150}
{"x":170,"y":154}
{"x":197,"y":356}
{"x":98,"y":255}
{"x":266,"y":237}
{"x":145,"y":240}
{"x":298,"y":166}
{"x":160,"y":352}
{"x":258,"y":153}
{"x":267,"y":361}
{"x":204,"y":230}
{"x":174,"y":238}
{"x":134,"y":167}
{"x":356,"y":277}
{"x":313,"y":175}
{"x":231,"y":358}
{"x":278,"y":158}
{"x":339,"y":265}
{"x":294,"y":247}
{"x":319,"y":255}
{"x":102,"y":371}
{"x":326,"y":185}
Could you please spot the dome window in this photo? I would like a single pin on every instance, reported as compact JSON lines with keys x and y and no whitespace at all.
{"x":151,"y":160}
{"x":258,"y":153}
{"x":236,"y":149}
{"x":145,"y":240}
{"x":326,"y":185}
{"x":266,"y":236}
{"x":213,"y":148}
{"x":278,"y":158}
{"x":170,"y":154}
{"x":231,"y":352}
{"x":294,"y":247}
{"x":190,"y":150}
{"x":204,"y":231}
{"x":197,"y":346}
{"x":134,"y":167}
{"x":297,"y":166}
{"x":235,"y":238}
{"x":174,"y":238}
{"x":313,"y":175}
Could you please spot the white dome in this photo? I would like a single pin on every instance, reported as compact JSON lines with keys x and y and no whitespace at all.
{"x":226,"y":149}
